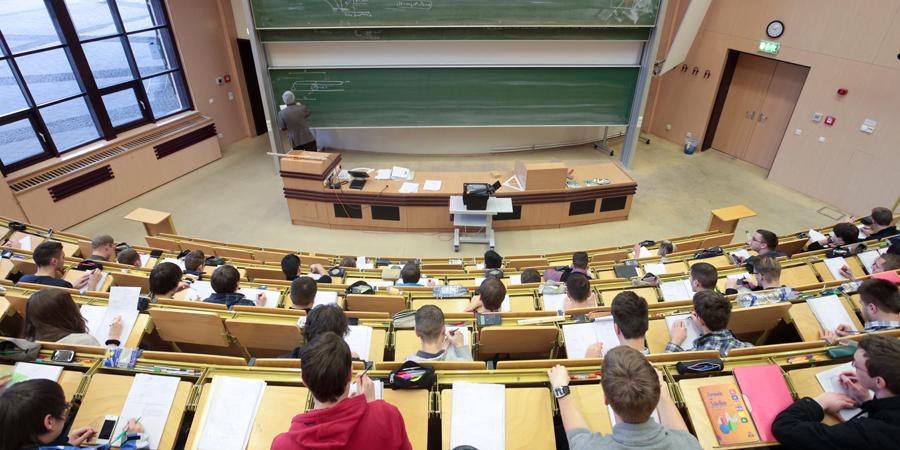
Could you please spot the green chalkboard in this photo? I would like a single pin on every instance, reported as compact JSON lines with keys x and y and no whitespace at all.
{"x":437,"y":13}
{"x":431,"y":97}
{"x":460,"y":34}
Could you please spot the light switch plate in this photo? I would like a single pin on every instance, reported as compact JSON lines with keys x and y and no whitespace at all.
{"x":798,"y":132}
{"x":817,"y":117}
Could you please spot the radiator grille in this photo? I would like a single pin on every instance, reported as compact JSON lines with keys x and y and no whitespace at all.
{"x":80,"y":183}
{"x":184,"y":141}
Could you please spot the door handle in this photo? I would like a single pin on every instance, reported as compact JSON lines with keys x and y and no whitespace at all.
{"x":751,"y":115}
{"x":762,"y":117}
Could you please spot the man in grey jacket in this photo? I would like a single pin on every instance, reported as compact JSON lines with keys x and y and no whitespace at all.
{"x":632,"y":388}
{"x":293,"y":119}
{"x":437,"y":344}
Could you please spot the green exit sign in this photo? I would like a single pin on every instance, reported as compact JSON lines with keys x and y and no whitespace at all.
{"x":769,"y":47}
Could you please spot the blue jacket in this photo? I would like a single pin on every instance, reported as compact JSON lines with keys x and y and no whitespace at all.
{"x":127,"y":445}
{"x":229,"y":299}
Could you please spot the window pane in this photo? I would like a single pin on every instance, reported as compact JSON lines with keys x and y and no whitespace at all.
{"x":18,"y":141}
{"x":11,"y":98}
{"x":122,"y":107}
{"x":140,"y":14}
{"x":26,"y":25}
{"x":48,"y":75}
{"x":108,"y":62}
{"x":92,"y":18}
{"x":153,"y":51}
{"x":166,"y":97}
{"x":70,"y":123}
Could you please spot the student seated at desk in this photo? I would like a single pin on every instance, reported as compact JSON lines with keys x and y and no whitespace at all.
{"x":710,"y":316}
{"x":194,"y":263}
{"x":225,"y":281}
{"x":630,"y":321}
{"x":493,"y":261}
{"x":579,"y":265}
{"x":410,"y":275}
{"x":103,"y":248}
{"x":33,"y":416}
{"x":665,"y":247}
{"x":884,"y":267}
{"x":579,"y":293}
{"x":876,"y":364}
{"x":880,"y":308}
{"x":437,"y":344}
{"x":341,"y":418}
{"x":165,"y":280}
{"x":844,"y":233}
{"x":303,"y":293}
{"x":633,"y":389}
{"x":50,"y":261}
{"x":766,"y":275}
{"x":490,"y":296}
{"x":881,"y":224}
{"x":319,"y":320}
{"x":703,"y":277}
{"x":52,"y":316}
{"x":530,"y":276}
{"x":290,"y":266}
{"x":764,"y":243}
{"x":130,"y":257}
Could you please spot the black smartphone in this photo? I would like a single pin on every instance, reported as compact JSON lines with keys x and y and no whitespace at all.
{"x":63,"y":356}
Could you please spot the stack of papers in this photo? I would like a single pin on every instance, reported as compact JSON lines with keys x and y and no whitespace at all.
{"x":677,"y":290}
{"x":325,"y":298}
{"x":580,"y":336}
{"x":359,"y":340}
{"x":230,"y":413}
{"x":400,"y":173}
{"x":383,"y":174}
{"x":409,"y":188}
{"x":554,"y":302}
{"x":478,"y":418}
{"x":515,"y":279}
{"x":123,"y":302}
{"x":830,"y":312}
{"x":830,"y":383}
{"x":150,"y":399}
{"x":432,"y":185}
{"x":692,"y":332}
{"x":30,"y":371}
{"x":834,"y":266}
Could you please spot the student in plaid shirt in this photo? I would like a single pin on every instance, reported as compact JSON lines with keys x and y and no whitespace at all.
{"x":710,"y":317}
{"x":880,"y":301}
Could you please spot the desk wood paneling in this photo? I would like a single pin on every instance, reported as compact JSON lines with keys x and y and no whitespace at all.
{"x":447,"y":305}
{"x":529,"y":418}
{"x":106,"y":396}
{"x":801,"y":275}
{"x":413,"y":405}
{"x":591,"y":402}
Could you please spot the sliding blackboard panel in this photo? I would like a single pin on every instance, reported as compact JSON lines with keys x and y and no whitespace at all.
{"x":458,"y":34}
{"x":436,"y":13}
{"x":429,"y":97}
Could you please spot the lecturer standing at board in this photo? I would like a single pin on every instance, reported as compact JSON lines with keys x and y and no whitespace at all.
{"x":293,"y":119}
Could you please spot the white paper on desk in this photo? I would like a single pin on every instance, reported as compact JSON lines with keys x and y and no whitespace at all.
{"x":815,"y":236}
{"x":515,"y":279}
{"x":400,"y":173}
{"x":868,"y":258}
{"x":409,"y":188}
{"x":677,"y":290}
{"x":466,"y":332}
{"x":580,"y":336}
{"x":830,"y":312}
{"x":359,"y":339}
{"x":32,"y":371}
{"x":741,"y":255}
{"x":612,"y":415}
{"x":314,"y":276}
{"x":432,"y":185}
{"x":150,"y":398}
{"x":834,"y":266}
{"x":478,"y":418}
{"x":383,"y":174}
{"x":554,"y":302}
{"x":199,"y":291}
{"x":692,"y":332}
{"x":25,"y":243}
{"x":479,"y":266}
{"x":123,"y":303}
{"x":654,"y":268}
{"x":379,"y":389}
{"x":145,"y":258}
{"x":229,"y":414}
{"x":642,"y":253}
{"x":478,"y":281}
{"x":505,"y":306}
{"x":325,"y":298}
{"x":362,"y":264}
{"x":177,"y":262}
{"x":252,"y":294}
{"x":828,"y":379}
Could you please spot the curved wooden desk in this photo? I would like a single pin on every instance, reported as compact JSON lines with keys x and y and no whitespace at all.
{"x":379,"y":205}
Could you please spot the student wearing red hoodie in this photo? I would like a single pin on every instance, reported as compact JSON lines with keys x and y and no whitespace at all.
{"x":341,"y":419}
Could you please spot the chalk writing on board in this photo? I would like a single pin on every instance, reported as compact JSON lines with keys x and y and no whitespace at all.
{"x":414,"y":4}
{"x":313,"y":82}
{"x":627,"y":10}
{"x":350,"y":8}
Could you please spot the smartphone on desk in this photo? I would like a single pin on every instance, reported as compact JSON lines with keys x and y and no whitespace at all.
{"x":107,"y":429}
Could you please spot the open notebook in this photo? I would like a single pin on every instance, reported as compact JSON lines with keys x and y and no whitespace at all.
{"x":828,"y":379}
{"x":830,"y":312}
{"x":580,"y":336}
{"x":692,"y":332}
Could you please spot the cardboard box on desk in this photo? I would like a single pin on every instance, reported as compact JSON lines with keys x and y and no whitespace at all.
{"x":313,"y":163}
{"x":548,"y":176}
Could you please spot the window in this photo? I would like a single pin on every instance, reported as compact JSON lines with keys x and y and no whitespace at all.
{"x":76,"y":71}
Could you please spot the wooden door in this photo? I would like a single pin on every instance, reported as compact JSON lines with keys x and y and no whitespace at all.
{"x":752,"y":76}
{"x":773,"y":116}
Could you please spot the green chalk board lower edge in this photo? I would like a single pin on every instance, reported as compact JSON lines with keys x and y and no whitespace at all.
{"x":400,"y":127}
{"x":274,"y":35}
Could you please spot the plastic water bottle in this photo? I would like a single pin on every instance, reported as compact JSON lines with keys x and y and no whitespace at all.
{"x":690,"y":144}
{"x":850,"y":286}
{"x":782,"y":294}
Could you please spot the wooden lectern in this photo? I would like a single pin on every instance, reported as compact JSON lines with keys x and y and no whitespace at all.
{"x":308,"y":170}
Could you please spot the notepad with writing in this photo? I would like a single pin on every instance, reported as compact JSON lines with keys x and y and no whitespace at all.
{"x":868,"y":259}
{"x":478,"y":418}
{"x":230,"y":413}
{"x":123,"y":303}
{"x":253,"y":294}
{"x":828,"y":379}
{"x":151,"y":398}
{"x":830,"y":312}
{"x":731,"y":421}
{"x":765,"y":393}
{"x":580,"y":336}
{"x":834,"y":266}
{"x":360,"y":340}
{"x":677,"y":290}
{"x":199,"y":291}
{"x":692,"y":332}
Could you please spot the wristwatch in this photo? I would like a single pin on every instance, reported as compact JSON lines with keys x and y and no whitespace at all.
{"x":561,"y":391}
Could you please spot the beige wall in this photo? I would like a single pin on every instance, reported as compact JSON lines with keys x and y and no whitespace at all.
{"x":853,"y":45}
{"x":205,"y":33}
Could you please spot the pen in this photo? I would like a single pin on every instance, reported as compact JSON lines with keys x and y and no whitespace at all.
{"x":123,"y":434}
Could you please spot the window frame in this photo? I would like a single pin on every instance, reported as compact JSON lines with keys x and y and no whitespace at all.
{"x":72,"y":45}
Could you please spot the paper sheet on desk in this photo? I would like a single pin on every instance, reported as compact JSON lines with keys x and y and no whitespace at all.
{"x":642,"y":253}
{"x":692,"y":332}
{"x":400,"y":173}
{"x":359,"y":339}
{"x":655,"y":268}
{"x":830,"y":312}
{"x":580,"y":336}
{"x":828,"y":379}
{"x":834,"y":266}
{"x":554,"y":302}
{"x":123,"y":303}
{"x":144,"y":259}
{"x":383,"y":174}
{"x":868,"y":258}
{"x":229,"y":414}
{"x":379,"y":389}
{"x":31,"y":371}
{"x":199,"y":291}
{"x":505,"y":306}
{"x":466,"y":332}
{"x":432,"y":185}
{"x":677,"y":290}
{"x":25,"y":244}
{"x":409,"y":188}
{"x":177,"y":262}
{"x":515,"y":279}
{"x":815,"y":236}
{"x":478,"y":418}
{"x":325,"y":298}
{"x":271,"y":296}
{"x":150,"y":398}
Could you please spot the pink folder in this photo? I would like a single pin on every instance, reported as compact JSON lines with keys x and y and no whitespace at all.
{"x":765,"y":393}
